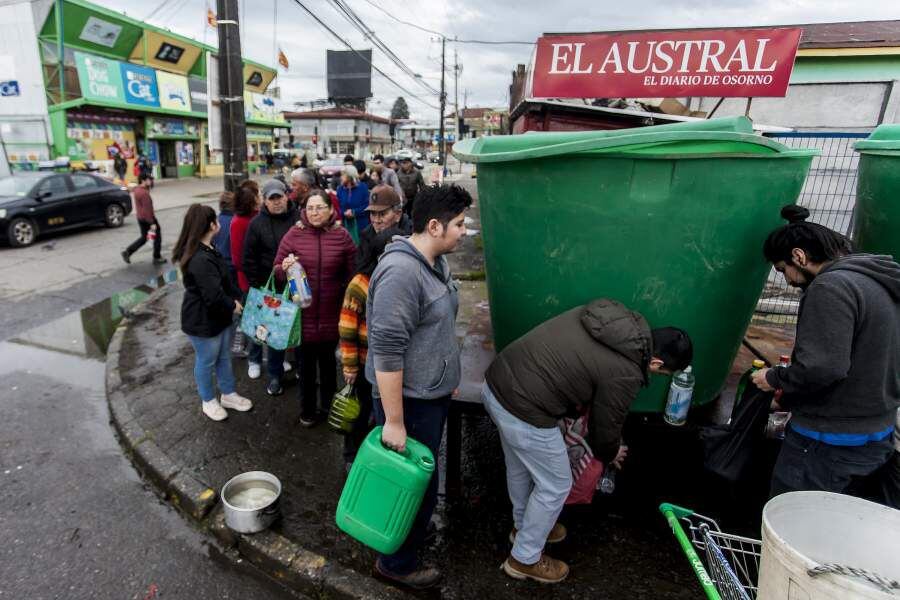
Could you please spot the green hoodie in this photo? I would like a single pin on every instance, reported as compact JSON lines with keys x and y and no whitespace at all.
{"x":591,"y":356}
{"x":845,"y":369}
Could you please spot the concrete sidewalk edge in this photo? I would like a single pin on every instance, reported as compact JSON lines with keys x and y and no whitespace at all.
{"x":277,"y":556}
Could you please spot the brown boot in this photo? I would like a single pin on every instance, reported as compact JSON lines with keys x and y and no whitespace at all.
{"x":556,"y":535}
{"x":545,"y":570}
{"x":418,"y":580}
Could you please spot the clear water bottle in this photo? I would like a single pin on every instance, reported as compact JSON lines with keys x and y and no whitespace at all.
{"x":681,"y":392}
{"x":298,"y":284}
{"x":607,"y":483}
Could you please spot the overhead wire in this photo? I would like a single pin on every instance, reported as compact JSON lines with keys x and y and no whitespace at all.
{"x":443,"y":35}
{"x":350,"y":47}
{"x":354,"y":19}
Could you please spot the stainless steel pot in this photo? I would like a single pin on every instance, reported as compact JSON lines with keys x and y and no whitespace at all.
{"x":248,"y":508}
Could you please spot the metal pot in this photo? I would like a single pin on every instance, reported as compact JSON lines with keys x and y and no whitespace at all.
{"x":248,"y":508}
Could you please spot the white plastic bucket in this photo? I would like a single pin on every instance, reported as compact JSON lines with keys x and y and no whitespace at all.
{"x":803,"y":530}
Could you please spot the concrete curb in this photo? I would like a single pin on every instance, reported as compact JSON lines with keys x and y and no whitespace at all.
{"x":275,"y":555}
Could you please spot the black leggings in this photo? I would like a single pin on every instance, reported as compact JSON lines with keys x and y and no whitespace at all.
{"x":317,"y":359}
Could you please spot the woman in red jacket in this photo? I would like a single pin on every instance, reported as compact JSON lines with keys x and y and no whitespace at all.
{"x":328,"y":254}
{"x":246,"y":205}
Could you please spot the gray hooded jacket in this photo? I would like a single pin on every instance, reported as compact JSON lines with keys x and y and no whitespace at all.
{"x":411,"y":316}
{"x":845,"y":369}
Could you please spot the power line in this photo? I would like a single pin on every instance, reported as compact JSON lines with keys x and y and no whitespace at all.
{"x":347,"y":44}
{"x":369,"y":34}
{"x":432,"y":31}
{"x":158,"y":8}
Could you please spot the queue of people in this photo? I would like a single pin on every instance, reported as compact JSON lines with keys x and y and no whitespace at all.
{"x":389,"y":303}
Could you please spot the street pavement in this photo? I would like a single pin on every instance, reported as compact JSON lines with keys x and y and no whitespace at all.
{"x":67,"y":271}
{"x":76,"y":520}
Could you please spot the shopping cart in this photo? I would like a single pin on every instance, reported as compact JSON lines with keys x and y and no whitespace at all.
{"x":731,"y":567}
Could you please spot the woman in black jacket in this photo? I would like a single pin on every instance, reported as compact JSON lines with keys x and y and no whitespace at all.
{"x":209,"y":305}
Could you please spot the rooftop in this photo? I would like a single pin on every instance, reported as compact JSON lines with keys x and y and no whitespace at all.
{"x":335,"y":113}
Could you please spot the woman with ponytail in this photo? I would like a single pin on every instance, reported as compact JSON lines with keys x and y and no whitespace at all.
{"x":843,"y":384}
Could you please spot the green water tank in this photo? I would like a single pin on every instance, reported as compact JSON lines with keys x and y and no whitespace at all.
{"x":669,"y":220}
{"x":876,"y":226}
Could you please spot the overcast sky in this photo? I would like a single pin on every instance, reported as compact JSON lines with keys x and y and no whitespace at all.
{"x":486,"y":69}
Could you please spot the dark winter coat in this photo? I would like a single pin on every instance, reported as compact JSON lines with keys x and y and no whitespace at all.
{"x":261,"y":243}
{"x":367,"y":236}
{"x":209,"y":294}
{"x":411,"y":183}
{"x":592,"y":356}
{"x":845,"y":369}
{"x":328,"y":255}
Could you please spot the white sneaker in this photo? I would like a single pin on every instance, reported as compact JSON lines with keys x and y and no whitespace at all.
{"x":214,"y":410}
{"x":254,"y":370}
{"x":287,"y":366}
{"x":235,"y":401}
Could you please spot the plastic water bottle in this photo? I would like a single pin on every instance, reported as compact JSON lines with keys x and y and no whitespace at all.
{"x":300,"y":291}
{"x":680,"y":394}
{"x":745,"y":379}
{"x":607,"y":483}
{"x":778,"y":420}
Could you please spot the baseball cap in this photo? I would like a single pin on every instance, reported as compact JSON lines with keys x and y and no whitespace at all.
{"x":273,"y":187}
{"x":382,"y":197}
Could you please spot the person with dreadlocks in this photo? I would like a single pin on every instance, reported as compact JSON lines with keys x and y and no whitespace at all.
{"x":843,"y":384}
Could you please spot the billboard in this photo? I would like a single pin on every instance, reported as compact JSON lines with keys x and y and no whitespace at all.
{"x":100,"y":78}
{"x":139,"y":85}
{"x":665,"y":64}
{"x":349,"y":74}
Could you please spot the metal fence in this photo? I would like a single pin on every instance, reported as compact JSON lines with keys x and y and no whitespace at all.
{"x":830,"y":195}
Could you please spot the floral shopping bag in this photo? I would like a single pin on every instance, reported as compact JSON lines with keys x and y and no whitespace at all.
{"x":271,"y":319}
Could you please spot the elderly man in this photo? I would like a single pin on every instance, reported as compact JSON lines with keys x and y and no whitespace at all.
{"x":302,"y":181}
{"x":386,"y":212}
{"x":261,"y":242}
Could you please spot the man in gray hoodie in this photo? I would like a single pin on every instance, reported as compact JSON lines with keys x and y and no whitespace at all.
{"x":843,"y":384}
{"x":413,"y":359}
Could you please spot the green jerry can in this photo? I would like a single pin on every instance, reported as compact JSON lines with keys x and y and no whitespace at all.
{"x":383,"y":492}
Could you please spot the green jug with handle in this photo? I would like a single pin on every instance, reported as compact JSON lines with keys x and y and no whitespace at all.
{"x":383,"y":492}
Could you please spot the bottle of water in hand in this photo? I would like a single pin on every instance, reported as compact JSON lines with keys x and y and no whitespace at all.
{"x":298,"y":284}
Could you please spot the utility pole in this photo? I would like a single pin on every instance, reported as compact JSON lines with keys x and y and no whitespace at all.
{"x":231,"y":95}
{"x":443,"y":146}
{"x":456,"y":91}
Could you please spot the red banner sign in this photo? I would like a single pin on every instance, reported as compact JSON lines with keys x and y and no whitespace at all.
{"x":665,"y":64}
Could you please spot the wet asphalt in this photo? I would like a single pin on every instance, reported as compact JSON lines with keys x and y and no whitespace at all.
{"x":76,"y":520}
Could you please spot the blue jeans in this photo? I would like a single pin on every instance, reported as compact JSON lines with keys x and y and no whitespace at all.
{"x":424,"y":421}
{"x":538,"y":477}
{"x":213,"y":354}
{"x":274,"y":359}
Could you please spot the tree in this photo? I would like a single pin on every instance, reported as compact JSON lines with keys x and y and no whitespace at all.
{"x":400,"y":109}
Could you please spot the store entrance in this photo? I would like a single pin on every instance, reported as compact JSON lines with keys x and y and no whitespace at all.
{"x":168,"y":160}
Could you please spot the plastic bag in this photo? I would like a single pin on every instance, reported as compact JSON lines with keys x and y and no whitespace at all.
{"x":730,"y":449}
{"x":586,"y":469}
{"x":344,"y":410}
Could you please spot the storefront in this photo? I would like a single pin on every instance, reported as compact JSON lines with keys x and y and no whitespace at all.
{"x":117,"y":86}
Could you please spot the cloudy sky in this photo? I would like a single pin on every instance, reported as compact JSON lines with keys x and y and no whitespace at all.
{"x":485,"y":68}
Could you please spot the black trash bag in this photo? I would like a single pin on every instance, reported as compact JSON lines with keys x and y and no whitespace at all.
{"x":729,"y":450}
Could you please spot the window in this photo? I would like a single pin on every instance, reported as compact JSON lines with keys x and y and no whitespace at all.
{"x":56,"y":185}
{"x":82,"y":181}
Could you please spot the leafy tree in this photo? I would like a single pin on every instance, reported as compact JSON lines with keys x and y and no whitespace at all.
{"x":400,"y":109}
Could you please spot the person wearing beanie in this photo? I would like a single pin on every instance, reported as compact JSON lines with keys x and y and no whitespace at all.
{"x":843,"y":384}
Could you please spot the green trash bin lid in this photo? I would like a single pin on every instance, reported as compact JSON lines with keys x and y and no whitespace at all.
{"x":732,"y":136}
{"x":885,"y":139}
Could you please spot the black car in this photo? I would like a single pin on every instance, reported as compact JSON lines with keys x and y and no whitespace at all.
{"x":36,"y":203}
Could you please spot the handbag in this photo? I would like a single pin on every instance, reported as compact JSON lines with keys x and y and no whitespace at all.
{"x":271,"y":319}
{"x":586,"y":469}
{"x":352,"y":228}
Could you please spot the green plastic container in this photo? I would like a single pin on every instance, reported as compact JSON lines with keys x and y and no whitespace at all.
{"x":669,"y":220}
{"x":877,"y":216}
{"x":383,"y":492}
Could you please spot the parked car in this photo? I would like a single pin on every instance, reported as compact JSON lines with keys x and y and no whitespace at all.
{"x":35,"y":203}
{"x":434,"y":156}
